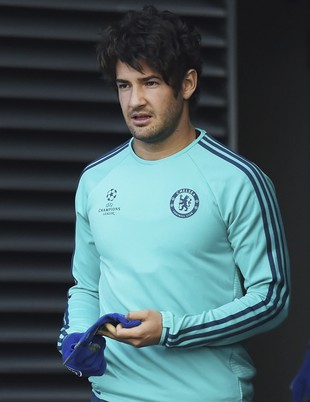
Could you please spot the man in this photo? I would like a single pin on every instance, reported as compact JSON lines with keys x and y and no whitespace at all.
{"x":175,"y":229}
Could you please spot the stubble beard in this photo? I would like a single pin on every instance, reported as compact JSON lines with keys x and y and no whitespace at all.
{"x":155,"y":133}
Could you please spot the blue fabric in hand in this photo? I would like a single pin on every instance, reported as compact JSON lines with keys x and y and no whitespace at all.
{"x":86,"y":359}
{"x":83,"y":352}
{"x":301,"y":384}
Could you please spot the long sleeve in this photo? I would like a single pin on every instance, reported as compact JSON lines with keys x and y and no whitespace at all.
{"x":83,"y":299}
{"x":254,"y":229}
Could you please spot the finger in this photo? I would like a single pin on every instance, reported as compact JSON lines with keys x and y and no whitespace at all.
{"x":109,"y":331}
{"x":110,"y":327}
{"x":128,"y":334}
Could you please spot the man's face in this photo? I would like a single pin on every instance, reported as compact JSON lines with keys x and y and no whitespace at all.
{"x":150,"y":108}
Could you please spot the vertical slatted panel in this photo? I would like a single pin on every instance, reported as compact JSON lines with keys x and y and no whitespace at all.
{"x":56,"y":115}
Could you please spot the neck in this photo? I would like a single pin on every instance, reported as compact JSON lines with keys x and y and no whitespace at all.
{"x":177,"y":141}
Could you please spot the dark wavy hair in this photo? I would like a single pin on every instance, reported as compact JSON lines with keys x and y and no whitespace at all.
{"x":161,"y":39}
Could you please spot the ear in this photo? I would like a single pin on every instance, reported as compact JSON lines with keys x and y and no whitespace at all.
{"x":189,"y":83}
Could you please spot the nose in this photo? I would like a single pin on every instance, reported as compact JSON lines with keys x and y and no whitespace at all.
{"x":136,"y":97}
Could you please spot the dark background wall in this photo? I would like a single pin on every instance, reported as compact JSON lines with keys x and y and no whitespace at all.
{"x":56,"y":116}
{"x":274,"y":131}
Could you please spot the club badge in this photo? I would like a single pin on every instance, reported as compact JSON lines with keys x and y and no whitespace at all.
{"x":184,"y":203}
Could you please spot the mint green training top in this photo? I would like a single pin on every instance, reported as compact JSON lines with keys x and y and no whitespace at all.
{"x":197,"y":236}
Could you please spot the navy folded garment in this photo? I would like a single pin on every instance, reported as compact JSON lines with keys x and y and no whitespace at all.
{"x":83,"y":352}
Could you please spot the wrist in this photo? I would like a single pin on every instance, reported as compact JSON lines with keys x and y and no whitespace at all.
{"x":166,"y":325}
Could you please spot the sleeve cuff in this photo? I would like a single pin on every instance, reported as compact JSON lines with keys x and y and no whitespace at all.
{"x":167,"y":324}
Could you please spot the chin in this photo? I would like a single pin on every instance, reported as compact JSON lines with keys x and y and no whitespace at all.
{"x":149,"y":137}
{"x":143,"y":136}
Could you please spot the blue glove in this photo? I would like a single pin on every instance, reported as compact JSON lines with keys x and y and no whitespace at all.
{"x":82,"y":353}
{"x":300,"y":386}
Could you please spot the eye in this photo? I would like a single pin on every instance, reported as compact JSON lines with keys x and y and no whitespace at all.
{"x":151,"y":83}
{"x":122,"y":85}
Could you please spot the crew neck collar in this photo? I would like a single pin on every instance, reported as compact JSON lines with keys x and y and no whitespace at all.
{"x":199,"y":134}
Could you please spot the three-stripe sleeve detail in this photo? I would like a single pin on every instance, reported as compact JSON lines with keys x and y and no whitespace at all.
{"x":107,"y":156}
{"x":63,"y":332}
{"x":278,"y":291}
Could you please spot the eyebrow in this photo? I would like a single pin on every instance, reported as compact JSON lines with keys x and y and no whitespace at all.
{"x":143,"y":79}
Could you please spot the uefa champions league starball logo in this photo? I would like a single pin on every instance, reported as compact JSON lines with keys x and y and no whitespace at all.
{"x":110,"y":209}
{"x":111,"y":195}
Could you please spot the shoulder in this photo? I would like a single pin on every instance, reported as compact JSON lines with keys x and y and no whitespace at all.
{"x":108,"y":159}
{"x":94,"y":172}
{"x":233,"y":179}
{"x":222,"y":165}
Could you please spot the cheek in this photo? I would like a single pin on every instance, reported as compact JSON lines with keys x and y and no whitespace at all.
{"x":172,"y":108}
{"x":163,"y":104}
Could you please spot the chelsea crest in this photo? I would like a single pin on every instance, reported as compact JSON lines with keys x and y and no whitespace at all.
{"x":184,"y":203}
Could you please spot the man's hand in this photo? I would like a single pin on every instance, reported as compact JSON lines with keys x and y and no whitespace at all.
{"x":146,"y":334}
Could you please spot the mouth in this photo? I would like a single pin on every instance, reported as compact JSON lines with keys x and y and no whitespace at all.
{"x":140,"y":119}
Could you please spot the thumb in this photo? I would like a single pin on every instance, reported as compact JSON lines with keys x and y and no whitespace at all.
{"x":136,"y":315}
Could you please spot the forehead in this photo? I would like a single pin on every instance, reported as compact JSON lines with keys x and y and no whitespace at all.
{"x":125,"y":72}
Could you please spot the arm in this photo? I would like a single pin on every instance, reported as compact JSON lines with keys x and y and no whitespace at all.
{"x":255,"y":233}
{"x":83,"y":305}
